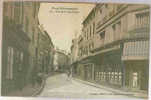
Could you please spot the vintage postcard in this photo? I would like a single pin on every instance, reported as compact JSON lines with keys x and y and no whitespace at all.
{"x":75,"y":50}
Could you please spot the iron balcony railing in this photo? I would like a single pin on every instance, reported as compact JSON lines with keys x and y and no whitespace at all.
{"x":141,"y":31}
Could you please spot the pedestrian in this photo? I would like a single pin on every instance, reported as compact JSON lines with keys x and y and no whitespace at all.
{"x":68,"y":75}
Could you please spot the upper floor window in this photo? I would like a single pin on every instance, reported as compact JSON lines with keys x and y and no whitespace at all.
{"x":5,"y":6}
{"x":93,"y":28}
{"x":10,"y":61}
{"x":116,"y":30}
{"x":27,"y":24}
{"x":119,"y":26}
{"x":89,"y":46}
{"x":90,"y":30}
{"x":33,"y":34}
{"x":114,"y":27}
{"x":102,"y":35}
{"x":17,"y":11}
{"x":100,"y":11}
{"x":22,"y":12}
{"x":142,"y":19}
{"x":34,"y":7}
{"x":87,"y":34}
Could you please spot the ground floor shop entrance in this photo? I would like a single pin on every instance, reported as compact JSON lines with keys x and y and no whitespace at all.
{"x":137,"y":73}
{"x":109,"y":68}
{"x":89,"y":71}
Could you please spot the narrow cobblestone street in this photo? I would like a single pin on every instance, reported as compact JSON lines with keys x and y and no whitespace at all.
{"x":62,"y":87}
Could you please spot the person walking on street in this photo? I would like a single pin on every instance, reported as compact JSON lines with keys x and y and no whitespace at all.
{"x":68,"y":75}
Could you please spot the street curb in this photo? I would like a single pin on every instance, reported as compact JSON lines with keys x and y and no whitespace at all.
{"x":97,"y":86}
{"x":85,"y":82}
{"x":40,"y":89}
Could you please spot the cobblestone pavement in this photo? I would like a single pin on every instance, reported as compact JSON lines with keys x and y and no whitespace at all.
{"x":60,"y":86}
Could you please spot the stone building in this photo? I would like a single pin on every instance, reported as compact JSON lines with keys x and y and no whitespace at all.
{"x":61,"y":61}
{"x":74,"y":55}
{"x":114,"y":46}
{"x":20,"y":23}
{"x":45,"y":52}
{"x":31,"y":10}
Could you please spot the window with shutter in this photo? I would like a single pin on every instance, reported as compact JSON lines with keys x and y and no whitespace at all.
{"x":10,"y":59}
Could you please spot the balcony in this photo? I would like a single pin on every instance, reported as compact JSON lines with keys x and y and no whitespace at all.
{"x":138,"y":50}
{"x":135,"y":32}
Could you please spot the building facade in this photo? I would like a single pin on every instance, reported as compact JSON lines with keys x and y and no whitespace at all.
{"x":20,"y":23}
{"x":45,"y":52}
{"x":31,"y":25}
{"x":114,"y":46}
{"x":61,"y":61}
{"x":74,"y":55}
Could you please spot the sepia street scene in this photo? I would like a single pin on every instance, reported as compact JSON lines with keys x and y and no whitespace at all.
{"x":75,"y":50}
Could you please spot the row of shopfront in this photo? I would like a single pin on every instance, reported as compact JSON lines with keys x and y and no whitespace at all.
{"x":19,"y":67}
{"x":15,"y":62}
{"x":119,"y":55}
{"x":114,"y":66}
{"x":27,"y":49}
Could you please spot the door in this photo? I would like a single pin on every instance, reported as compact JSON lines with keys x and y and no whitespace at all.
{"x":135,"y":80}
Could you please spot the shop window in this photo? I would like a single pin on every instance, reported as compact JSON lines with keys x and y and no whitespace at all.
{"x":115,"y":76}
{"x":112,"y":75}
{"x":10,"y":59}
{"x":109,"y":73}
{"x":99,"y":75}
{"x":120,"y":76}
{"x":104,"y":74}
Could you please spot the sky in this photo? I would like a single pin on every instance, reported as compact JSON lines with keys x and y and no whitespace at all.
{"x":63,"y":21}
